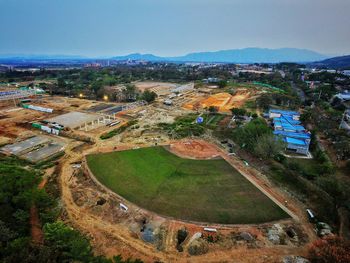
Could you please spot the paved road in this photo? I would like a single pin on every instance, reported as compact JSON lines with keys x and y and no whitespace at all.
{"x":299,"y":91}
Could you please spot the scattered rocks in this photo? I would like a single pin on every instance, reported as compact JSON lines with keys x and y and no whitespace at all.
{"x":78,"y":198}
{"x":147,"y":233}
{"x":198,"y":247}
{"x":295,"y":259}
{"x":242,"y":238}
{"x":247,"y":236}
{"x":276,"y":234}
{"x":195,"y":237}
{"x":160,"y":238}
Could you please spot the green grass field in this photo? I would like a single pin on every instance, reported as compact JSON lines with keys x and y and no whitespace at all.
{"x":198,"y":190}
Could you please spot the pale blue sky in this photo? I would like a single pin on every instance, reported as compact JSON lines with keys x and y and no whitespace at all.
{"x":171,"y":27}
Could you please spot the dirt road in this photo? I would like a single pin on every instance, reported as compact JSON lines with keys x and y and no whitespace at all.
{"x":35,"y":224}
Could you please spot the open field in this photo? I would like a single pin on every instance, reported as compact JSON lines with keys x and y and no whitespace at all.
{"x":195,"y":190}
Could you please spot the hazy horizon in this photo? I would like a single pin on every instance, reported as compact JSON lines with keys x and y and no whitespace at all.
{"x":171,"y":28}
{"x":136,"y":52}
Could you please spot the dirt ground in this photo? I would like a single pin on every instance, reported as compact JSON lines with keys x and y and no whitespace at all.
{"x":15,"y":121}
{"x":194,"y":149}
{"x":223,"y":101}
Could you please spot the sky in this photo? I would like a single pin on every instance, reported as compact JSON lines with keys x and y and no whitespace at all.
{"x":96,"y":28}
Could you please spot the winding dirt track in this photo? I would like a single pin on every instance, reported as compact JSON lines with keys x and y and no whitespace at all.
{"x":112,"y":239}
{"x":35,"y":224}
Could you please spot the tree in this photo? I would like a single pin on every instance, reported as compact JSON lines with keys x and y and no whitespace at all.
{"x":326,"y":92}
{"x":269,"y":146}
{"x":249,"y":135}
{"x":331,"y":249}
{"x":334,"y":187}
{"x":264,"y":101}
{"x":61,"y":83}
{"x":69,"y":243}
{"x":96,"y":86}
{"x":213,"y":109}
{"x":238,"y":111}
{"x":130,"y":93}
{"x":306,"y":116}
{"x":6,"y":233}
{"x":222,"y":84}
{"x":149,"y":96}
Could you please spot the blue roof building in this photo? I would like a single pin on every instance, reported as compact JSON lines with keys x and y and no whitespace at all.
{"x":275,"y":113}
{"x":288,"y":127}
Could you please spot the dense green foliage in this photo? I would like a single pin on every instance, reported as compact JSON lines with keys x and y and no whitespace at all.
{"x":92,"y":82}
{"x":66,"y":243}
{"x":149,"y":96}
{"x":199,"y":190}
{"x":18,"y":193}
{"x":281,"y":100}
{"x":257,"y":138}
{"x":183,"y":127}
{"x":238,"y":111}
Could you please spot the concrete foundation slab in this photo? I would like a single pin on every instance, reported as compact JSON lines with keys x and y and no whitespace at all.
{"x":74,"y":119}
{"x":22,"y":147}
{"x":43,"y":153}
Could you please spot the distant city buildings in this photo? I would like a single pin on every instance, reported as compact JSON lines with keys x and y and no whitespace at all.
{"x":287,"y":126}
{"x":92,"y":65}
{"x":346,"y":72}
{"x":343,"y":96}
{"x":211,"y":80}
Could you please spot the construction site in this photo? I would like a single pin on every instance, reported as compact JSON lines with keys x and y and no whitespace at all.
{"x":39,"y":127}
{"x":35,"y":149}
{"x":223,"y":101}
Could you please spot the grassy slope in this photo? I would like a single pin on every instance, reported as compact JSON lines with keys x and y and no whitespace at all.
{"x":200,"y":190}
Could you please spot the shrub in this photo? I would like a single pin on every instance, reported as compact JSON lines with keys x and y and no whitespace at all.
{"x":330,"y":249}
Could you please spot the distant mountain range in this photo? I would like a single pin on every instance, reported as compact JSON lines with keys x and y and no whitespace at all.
{"x":40,"y":57}
{"x":342,"y":62}
{"x":246,"y":55}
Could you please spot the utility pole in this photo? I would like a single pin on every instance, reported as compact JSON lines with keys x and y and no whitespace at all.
{"x":342,"y":119}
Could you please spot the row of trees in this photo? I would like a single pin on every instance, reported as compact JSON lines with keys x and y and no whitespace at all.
{"x":282,"y":100}
{"x":126,"y":93}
